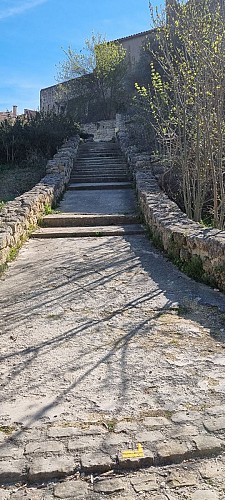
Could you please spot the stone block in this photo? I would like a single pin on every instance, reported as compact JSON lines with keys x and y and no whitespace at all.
{"x":145,"y":483}
{"x":43,"y":468}
{"x":27,"y":494}
{"x":126,"y":427}
{"x":212,"y":471}
{"x":116,"y":440}
{"x":84,"y":443}
{"x":183,"y":417}
{"x":109,"y":486}
{"x":207,"y":445}
{"x":71,"y":489}
{"x":184,"y":431}
{"x":12,"y":470}
{"x":172,"y":451}
{"x":205,"y":495}
{"x":63,"y":432}
{"x":180,"y":479}
{"x":44,"y":447}
{"x":149,"y":436}
{"x":218,"y":410}
{"x":96,"y":462}
{"x":156,"y":422}
{"x":9,"y":451}
{"x":215,"y":424}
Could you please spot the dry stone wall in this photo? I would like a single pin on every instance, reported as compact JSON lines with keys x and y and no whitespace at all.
{"x":20,"y":216}
{"x":198,"y":251}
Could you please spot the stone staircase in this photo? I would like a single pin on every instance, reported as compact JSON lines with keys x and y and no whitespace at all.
{"x":99,"y":200}
{"x":99,"y":163}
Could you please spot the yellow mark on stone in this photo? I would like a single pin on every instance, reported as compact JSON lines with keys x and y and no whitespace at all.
{"x":138,"y":453}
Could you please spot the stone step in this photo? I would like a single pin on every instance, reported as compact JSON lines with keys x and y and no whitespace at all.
{"x":93,"y":163}
{"x":98,"y":185}
{"x":81,"y":232}
{"x":98,"y":178}
{"x":100,"y":158}
{"x":99,"y":147}
{"x":100,"y":154}
{"x":90,"y":220}
{"x":94,"y":172}
{"x":100,"y":168}
{"x":99,"y":171}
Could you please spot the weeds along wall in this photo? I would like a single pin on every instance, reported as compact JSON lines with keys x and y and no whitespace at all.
{"x":198,"y":251}
{"x":20,"y":216}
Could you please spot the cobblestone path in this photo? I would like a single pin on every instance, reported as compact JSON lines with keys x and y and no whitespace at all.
{"x":112,"y":375}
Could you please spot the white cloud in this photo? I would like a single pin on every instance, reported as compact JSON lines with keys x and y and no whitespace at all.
{"x":15,"y":7}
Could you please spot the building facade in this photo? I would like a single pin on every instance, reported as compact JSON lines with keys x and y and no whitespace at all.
{"x":8,"y":115}
{"x":54,"y":98}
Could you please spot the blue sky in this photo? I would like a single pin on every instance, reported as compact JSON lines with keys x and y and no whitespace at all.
{"x":33,"y":34}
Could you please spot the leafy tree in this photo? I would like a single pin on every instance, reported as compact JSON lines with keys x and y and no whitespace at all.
{"x":99,"y":69}
{"x":186,"y":100}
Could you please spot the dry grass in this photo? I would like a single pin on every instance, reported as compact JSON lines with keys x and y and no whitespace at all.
{"x":15,"y":181}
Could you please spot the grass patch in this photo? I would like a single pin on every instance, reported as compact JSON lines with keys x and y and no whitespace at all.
{"x":48,"y":209}
{"x":13,"y":252}
{"x":7,"y":429}
{"x":157,"y":413}
{"x":55,"y":316}
{"x":193,"y":268}
{"x":110,"y":424}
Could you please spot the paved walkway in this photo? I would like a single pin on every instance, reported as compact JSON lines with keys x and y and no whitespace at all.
{"x":111,"y":360}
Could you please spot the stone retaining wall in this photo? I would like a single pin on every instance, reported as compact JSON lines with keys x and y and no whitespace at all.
{"x":198,"y":251}
{"x":20,"y":216}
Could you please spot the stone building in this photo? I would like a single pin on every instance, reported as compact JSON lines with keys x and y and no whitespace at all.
{"x":76,"y":92}
{"x":8,"y":115}
{"x":51,"y":97}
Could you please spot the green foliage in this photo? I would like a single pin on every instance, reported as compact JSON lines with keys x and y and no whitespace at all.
{"x":193,"y":268}
{"x":48,"y":209}
{"x":101,"y":67}
{"x":39,"y":136}
{"x":7,"y":429}
{"x":185,"y":102}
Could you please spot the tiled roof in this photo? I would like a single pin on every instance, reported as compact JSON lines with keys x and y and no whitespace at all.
{"x":142,"y":33}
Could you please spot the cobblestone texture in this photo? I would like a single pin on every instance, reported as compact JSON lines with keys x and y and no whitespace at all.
{"x":192,"y":480}
{"x":106,"y":348}
{"x":106,"y":345}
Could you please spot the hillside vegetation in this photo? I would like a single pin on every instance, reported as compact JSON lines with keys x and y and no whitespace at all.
{"x":25,"y":147}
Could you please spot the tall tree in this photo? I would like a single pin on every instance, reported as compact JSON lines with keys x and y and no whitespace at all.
{"x":186,"y":98}
{"x":100,"y":69}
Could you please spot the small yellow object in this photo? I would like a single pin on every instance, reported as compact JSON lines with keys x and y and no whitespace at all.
{"x":138,"y":453}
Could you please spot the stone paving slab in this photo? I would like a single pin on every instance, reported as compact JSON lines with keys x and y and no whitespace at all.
{"x":99,"y":185}
{"x":110,"y":201}
{"x":78,"y":232}
{"x":104,"y":345}
{"x":193,"y":480}
{"x":80,"y":220}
